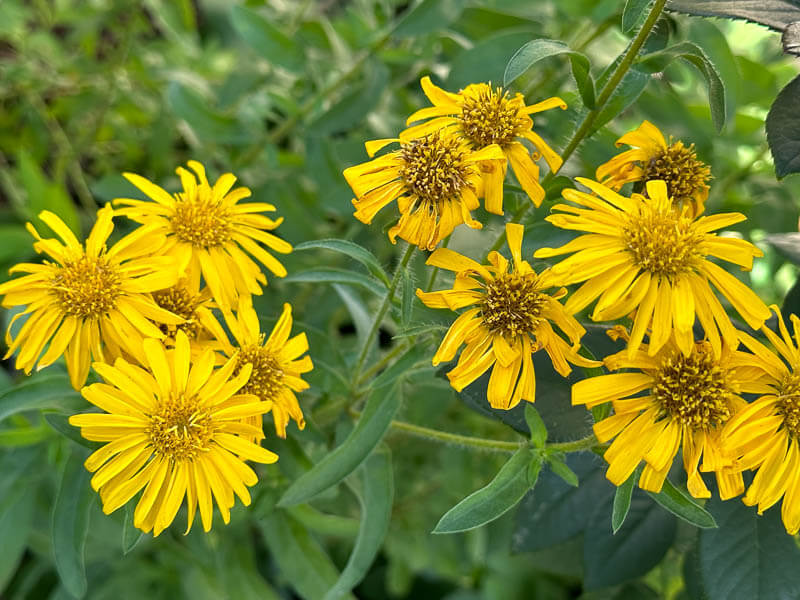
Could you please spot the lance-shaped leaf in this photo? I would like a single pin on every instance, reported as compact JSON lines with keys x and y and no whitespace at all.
{"x":351,"y":249}
{"x":335,"y":275}
{"x":502,"y":494}
{"x":776,"y":14}
{"x":681,"y":505}
{"x":783,"y":129}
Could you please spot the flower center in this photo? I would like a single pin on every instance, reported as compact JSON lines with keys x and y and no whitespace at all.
{"x":266,"y":380}
{"x":86,"y":287}
{"x":679,"y":167}
{"x":201,"y":221}
{"x":179,"y":301}
{"x":434,"y":168}
{"x":491,"y":118}
{"x":789,"y":404}
{"x":179,"y":429}
{"x":662,"y":243}
{"x":694,"y":391}
{"x":512,"y":305}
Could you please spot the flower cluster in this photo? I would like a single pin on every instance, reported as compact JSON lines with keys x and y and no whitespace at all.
{"x":182,"y":403}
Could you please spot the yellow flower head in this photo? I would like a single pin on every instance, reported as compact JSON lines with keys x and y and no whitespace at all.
{"x":277,"y":363}
{"x":652,"y":158}
{"x":436,"y":180}
{"x":766,"y":434}
{"x":670,"y":401}
{"x":175,"y":429}
{"x":640,"y":254}
{"x":89,"y":301}
{"x":208,"y":231}
{"x":512,"y":317}
{"x":195,"y":307}
{"x":483,"y":115}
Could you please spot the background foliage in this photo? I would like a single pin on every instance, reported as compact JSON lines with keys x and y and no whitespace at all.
{"x":284,"y":96}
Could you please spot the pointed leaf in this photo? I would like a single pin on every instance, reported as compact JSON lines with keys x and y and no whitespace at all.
{"x":428,"y":16}
{"x":351,"y":249}
{"x":130,"y":535}
{"x":42,"y":391}
{"x":682,"y":505}
{"x":634,"y":14}
{"x":536,"y":425}
{"x":622,"y":501}
{"x":266,"y":39}
{"x":776,"y":14}
{"x":334,"y":275}
{"x":495,"y":499}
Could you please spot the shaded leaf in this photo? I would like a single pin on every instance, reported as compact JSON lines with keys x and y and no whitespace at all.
{"x":131,"y":535}
{"x":486,"y":60}
{"x":783,"y":129}
{"x":788,"y":244}
{"x":266,"y":39}
{"x":622,"y":501}
{"x":376,"y":508}
{"x":776,"y":14}
{"x":71,"y":523}
{"x":749,"y":556}
{"x":536,"y":425}
{"x":206,"y":122}
{"x":495,"y":499}
{"x":639,"y":544}
{"x":428,"y":16}
{"x":336,"y":275}
{"x":60,"y":422}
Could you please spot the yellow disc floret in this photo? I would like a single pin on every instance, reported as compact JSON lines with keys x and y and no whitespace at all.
{"x":86,"y":286}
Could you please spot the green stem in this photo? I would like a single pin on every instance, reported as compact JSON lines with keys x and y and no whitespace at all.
{"x":590,"y":441}
{"x":454,"y":438}
{"x":399,"y":349}
{"x":387,"y":301}
{"x":605,"y":94}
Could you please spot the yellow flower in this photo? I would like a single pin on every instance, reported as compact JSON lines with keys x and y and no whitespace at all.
{"x":435,"y":179}
{"x":639,"y":253}
{"x":485,"y":116}
{"x":208,"y":231}
{"x":766,"y":434}
{"x":176,"y":428}
{"x":512,"y":317}
{"x":686,"y":402}
{"x":195,"y":307}
{"x":652,"y":158}
{"x":277,"y":363}
{"x":91,"y":301}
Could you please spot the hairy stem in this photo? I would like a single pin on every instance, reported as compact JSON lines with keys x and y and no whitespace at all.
{"x":387,"y":302}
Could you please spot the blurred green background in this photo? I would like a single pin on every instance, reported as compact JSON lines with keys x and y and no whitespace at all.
{"x":283,"y":95}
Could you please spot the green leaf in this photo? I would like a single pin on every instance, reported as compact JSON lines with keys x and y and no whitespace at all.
{"x":338,"y":464}
{"x":428,"y":16}
{"x":622,"y":501}
{"x":352,"y":109}
{"x":44,"y":194}
{"x":351,"y":249}
{"x":555,"y":461}
{"x":693,"y":54}
{"x":788,"y":244}
{"x":362,"y":320}
{"x":42,"y":391}
{"x":17,"y":243}
{"x":16,"y":507}
{"x":783,"y":129}
{"x":376,"y":508}
{"x":536,"y":425}
{"x":486,"y":60}
{"x":777,"y":14}
{"x":495,"y":499}
{"x":60,"y":423}
{"x":130,"y":534}
{"x":634,"y":14}
{"x":335,"y":275}
{"x":681,"y":504}
{"x":749,"y":556}
{"x":408,"y":364}
{"x":707,"y":35}
{"x":626,"y":93}
{"x":536,"y":50}
{"x":638,"y":546}
{"x":71,"y":523}
{"x":207,"y":123}
{"x":555,"y":512}
{"x":300,"y":558}
{"x":266,"y":39}
{"x":791,"y":303}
